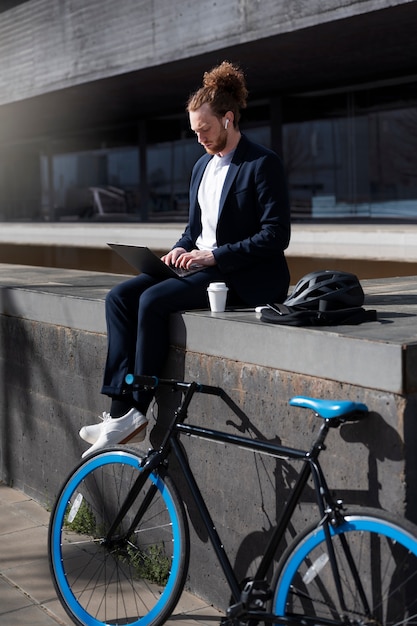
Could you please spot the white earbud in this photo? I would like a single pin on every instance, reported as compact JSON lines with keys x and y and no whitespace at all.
{"x":226,"y":123}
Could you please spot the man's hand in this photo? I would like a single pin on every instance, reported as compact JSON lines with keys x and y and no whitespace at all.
{"x":186,"y":260}
{"x":172,"y":256}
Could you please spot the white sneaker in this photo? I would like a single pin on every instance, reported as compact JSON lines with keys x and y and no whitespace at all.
{"x":91,"y":433}
{"x":116,"y":430}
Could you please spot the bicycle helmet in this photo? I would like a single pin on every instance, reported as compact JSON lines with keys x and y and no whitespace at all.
{"x":327,"y":289}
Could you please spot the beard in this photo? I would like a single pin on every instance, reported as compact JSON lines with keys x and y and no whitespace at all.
{"x":218,"y":144}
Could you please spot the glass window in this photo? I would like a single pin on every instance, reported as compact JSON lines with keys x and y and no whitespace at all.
{"x":89,"y":183}
{"x":393,"y":162}
{"x":260,"y":134}
{"x":169,"y":167}
{"x":358,"y":160}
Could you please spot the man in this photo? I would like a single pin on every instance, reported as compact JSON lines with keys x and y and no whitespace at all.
{"x":238,"y":229}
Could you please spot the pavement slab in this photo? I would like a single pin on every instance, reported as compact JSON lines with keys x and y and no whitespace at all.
{"x":27,"y":594}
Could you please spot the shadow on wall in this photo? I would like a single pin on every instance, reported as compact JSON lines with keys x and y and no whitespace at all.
{"x":50,"y":387}
{"x":389,"y":446}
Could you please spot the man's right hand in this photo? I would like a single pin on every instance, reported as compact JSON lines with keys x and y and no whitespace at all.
{"x":172,"y":256}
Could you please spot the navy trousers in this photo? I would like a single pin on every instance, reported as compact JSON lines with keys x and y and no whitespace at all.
{"x":137,"y":315}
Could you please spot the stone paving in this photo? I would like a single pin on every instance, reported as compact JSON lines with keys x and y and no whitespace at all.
{"x":27,"y":594}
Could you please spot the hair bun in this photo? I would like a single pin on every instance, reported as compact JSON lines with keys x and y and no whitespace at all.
{"x":228,"y":78}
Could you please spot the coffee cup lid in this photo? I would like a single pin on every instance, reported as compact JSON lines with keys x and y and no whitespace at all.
{"x":217,"y":286}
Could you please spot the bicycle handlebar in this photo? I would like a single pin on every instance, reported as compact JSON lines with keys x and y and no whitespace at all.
{"x":152,"y":382}
{"x":142,"y":381}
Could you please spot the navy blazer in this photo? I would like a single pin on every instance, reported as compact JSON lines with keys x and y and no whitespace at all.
{"x":253,"y":228}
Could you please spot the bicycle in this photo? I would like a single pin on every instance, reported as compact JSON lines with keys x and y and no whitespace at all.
{"x":119,"y":540}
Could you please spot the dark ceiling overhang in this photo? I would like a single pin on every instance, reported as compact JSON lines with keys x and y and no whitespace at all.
{"x":376,"y":46}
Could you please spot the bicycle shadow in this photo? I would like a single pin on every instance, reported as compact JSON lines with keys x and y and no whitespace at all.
{"x":253,"y":545}
{"x":387,"y":446}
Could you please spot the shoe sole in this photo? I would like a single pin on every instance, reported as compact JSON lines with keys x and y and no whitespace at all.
{"x":135,"y":434}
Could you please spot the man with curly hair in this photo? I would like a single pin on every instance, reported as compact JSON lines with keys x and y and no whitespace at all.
{"x":238,"y":229}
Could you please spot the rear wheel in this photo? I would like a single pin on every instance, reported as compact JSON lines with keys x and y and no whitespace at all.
{"x":135,"y":576}
{"x":384,"y":556}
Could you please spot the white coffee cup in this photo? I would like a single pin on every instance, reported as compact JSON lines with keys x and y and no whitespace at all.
{"x":217,"y":293}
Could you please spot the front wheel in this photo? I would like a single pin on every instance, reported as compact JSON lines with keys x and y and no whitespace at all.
{"x":377,"y":570}
{"x":134,"y":575}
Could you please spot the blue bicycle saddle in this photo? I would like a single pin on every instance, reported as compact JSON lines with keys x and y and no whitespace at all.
{"x":329,"y":409}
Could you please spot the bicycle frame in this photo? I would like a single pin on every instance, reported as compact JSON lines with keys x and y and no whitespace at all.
{"x":158,"y":461}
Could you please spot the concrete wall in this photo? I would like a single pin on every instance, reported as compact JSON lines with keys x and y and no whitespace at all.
{"x":45,"y":46}
{"x":52,"y":339}
{"x":51,"y":378}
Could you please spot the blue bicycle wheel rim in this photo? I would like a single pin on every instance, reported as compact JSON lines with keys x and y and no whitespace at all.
{"x":313,"y":539}
{"x":106,"y":459}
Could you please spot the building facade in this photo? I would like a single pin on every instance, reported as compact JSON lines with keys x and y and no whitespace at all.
{"x":93,"y":92}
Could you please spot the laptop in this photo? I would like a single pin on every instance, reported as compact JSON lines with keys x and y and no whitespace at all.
{"x":147,"y":262}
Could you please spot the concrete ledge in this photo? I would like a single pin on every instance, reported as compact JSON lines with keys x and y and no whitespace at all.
{"x":379,"y":355}
{"x":62,"y":297}
{"x":373,"y":241}
{"x":330,"y":354}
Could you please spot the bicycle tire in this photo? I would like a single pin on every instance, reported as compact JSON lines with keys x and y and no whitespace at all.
{"x":385,"y":554}
{"x":135,"y":580}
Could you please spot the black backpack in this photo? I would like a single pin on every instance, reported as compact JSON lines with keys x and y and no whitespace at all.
{"x":322,"y":298}
{"x":293,"y":316}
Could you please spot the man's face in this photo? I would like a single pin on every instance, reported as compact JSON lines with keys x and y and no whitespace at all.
{"x":209,"y":130}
